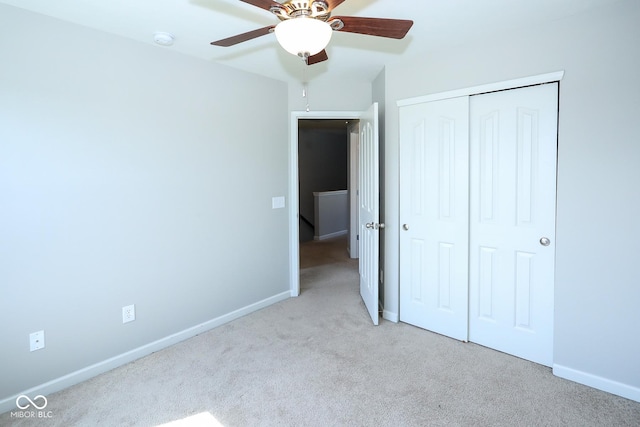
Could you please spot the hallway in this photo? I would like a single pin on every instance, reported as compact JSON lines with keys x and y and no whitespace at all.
{"x":327,"y":263}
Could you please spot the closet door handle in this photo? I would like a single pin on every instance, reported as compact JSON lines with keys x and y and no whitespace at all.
{"x":405,"y":227}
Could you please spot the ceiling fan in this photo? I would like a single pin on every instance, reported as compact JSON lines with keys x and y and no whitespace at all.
{"x":306,"y":26}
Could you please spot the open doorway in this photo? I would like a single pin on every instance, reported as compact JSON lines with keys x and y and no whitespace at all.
{"x":302,"y":206}
{"x":327,"y":191}
{"x":369,"y":225}
{"x":328,"y":180}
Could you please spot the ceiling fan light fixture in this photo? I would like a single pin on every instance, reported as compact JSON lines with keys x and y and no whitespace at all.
{"x":303,"y":36}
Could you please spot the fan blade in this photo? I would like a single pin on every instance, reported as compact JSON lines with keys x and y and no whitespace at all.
{"x":263,"y":4}
{"x":230,"y":41}
{"x":318,"y":57}
{"x":334,"y":3}
{"x":381,"y":27}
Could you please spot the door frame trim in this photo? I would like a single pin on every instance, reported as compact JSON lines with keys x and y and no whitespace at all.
{"x":490,"y":87}
{"x":294,"y":232}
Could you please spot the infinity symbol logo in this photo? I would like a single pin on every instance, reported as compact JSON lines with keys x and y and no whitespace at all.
{"x":31,"y":402}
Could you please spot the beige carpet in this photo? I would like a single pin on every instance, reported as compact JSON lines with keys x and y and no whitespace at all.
{"x":316,"y":360}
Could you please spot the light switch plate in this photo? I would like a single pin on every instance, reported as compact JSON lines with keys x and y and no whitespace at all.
{"x":36,"y":340}
{"x":277,"y":202}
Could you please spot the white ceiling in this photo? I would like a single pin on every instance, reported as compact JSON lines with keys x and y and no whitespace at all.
{"x":438,"y":24}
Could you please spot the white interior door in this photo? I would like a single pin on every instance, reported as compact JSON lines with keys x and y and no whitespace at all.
{"x":369,"y":210}
{"x":434,"y":213}
{"x":512,"y":220}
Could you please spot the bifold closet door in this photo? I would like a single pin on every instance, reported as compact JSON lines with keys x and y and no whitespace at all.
{"x":434,"y":216}
{"x":513,"y":151}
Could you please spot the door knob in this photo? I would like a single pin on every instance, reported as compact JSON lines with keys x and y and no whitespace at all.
{"x":544,"y":241}
{"x":405,"y":226}
{"x":374,"y":225}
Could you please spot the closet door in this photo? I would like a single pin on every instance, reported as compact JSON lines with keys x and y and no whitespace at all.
{"x":434,"y":216}
{"x":513,"y":148}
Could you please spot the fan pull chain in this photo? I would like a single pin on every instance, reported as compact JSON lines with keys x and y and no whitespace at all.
{"x":305,"y":90}
{"x":306,"y":95}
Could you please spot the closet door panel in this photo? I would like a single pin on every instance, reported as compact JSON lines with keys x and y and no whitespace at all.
{"x":434,"y":209}
{"x":513,"y":146}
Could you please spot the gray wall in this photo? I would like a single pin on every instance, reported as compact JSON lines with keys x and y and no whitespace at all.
{"x":326,"y":93}
{"x":322,"y":164}
{"x":597,"y":289}
{"x":128,"y":175}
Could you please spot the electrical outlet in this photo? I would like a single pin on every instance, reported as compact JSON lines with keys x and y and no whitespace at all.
{"x":128,"y":313}
{"x":36,"y":340}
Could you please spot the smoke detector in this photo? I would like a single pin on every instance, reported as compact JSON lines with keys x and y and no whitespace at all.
{"x":163,"y":39}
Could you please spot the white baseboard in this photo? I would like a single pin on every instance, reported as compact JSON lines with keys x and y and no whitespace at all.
{"x":330,"y":235}
{"x":604,"y":384}
{"x":390,"y":316}
{"x":84,"y":374}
